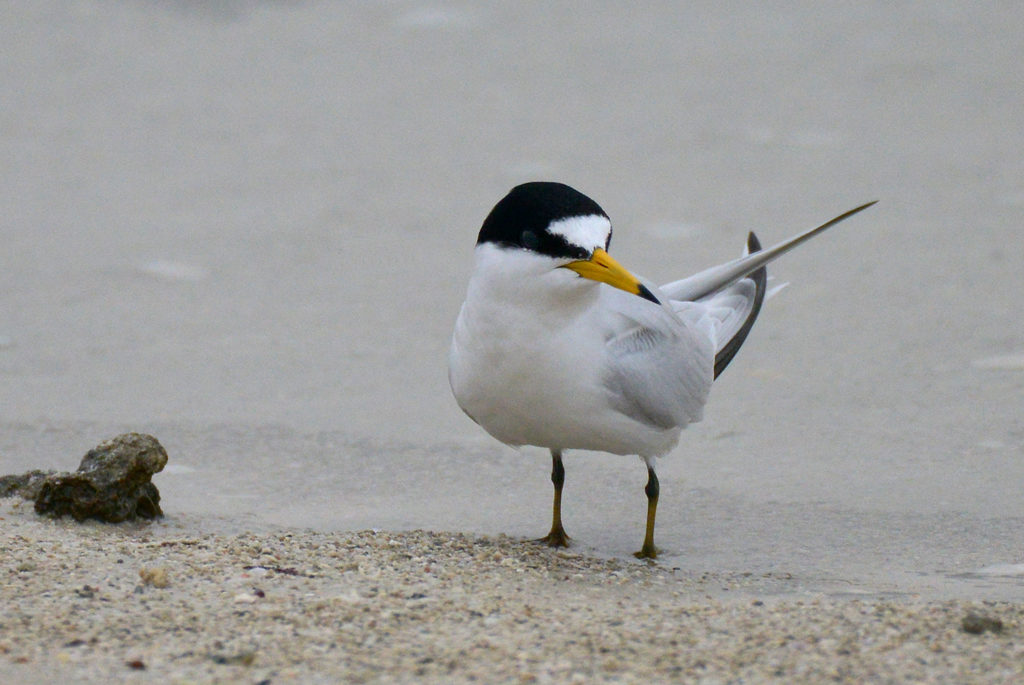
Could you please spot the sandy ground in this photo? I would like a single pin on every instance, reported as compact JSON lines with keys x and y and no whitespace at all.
{"x":166,"y":603}
{"x":245,"y":227}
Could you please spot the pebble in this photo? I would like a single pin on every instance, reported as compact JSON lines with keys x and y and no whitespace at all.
{"x":977,"y":623}
{"x":155,"y":576}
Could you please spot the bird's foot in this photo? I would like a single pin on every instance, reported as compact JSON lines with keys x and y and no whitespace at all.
{"x":647,"y":552}
{"x":556,"y":538}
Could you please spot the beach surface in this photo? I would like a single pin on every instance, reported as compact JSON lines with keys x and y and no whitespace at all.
{"x":245,"y":228}
{"x":168,"y":603}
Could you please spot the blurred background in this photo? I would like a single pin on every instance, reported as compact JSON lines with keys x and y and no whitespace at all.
{"x":246,"y":227}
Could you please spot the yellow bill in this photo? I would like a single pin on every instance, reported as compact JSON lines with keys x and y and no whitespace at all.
{"x":602,"y":268}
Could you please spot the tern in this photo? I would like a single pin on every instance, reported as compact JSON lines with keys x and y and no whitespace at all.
{"x":559,"y":346}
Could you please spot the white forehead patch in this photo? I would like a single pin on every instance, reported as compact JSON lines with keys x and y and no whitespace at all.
{"x":589,"y":232}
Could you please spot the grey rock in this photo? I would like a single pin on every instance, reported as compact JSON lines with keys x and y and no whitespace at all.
{"x":111,"y":484}
{"x":24,"y":485}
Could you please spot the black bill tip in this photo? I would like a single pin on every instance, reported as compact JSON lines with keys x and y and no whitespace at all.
{"x":647,"y":294}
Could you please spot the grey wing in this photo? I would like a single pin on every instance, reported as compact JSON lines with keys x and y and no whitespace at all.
{"x":658,"y":369}
{"x":709,"y":281}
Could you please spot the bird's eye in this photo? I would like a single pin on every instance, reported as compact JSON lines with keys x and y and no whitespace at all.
{"x":530,"y":240}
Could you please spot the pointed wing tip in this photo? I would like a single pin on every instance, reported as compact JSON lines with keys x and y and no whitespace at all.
{"x":862,"y":207}
{"x":832,"y":222}
{"x":753,"y":244}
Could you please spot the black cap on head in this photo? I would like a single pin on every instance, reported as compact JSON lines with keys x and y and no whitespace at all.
{"x":521,"y":218}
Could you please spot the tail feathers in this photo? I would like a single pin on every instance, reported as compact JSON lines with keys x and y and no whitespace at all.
{"x":728,"y":350}
{"x":775,"y":288}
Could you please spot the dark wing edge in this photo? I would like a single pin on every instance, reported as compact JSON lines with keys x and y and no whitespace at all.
{"x":760,"y":277}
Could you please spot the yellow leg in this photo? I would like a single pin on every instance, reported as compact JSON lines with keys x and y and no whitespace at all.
{"x":649,"y":551}
{"x":557,"y":536}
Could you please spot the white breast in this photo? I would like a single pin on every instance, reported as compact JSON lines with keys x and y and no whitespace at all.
{"x":527,"y":357}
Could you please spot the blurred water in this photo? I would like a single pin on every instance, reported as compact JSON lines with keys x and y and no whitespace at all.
{"x":246,"y":227}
